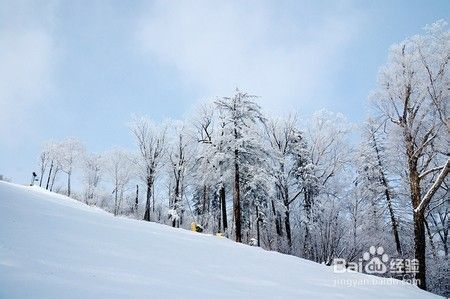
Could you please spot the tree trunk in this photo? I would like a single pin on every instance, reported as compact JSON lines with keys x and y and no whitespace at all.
{"x":223,"y":205}
{"x":237,"y":199}
{"x":257,"y":227}
{"x":153,"y":198}
{"x":120,"y":200}
{"x":49,"y":175}
{"x":54,"y":178}
{"x":287,"y":224}
{"x":202,"y":222}
{"x":115,"y":200}
{"x":147,"y":203}
{"x":136,"y":201}
{"x":387,"y":194}
{"x":68,"y":182}
{"x":419,"y":248}
{"x":277,"y":220}
{"x":42,"y":176}
{"x":219,"y":214}
{"x":284,"y":191}
{"x":308,"y":246}
{"x":418,"y":216}
{"x":394,"y":223}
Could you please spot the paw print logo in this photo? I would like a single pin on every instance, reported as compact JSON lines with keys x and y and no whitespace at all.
{"x":376,"y":260}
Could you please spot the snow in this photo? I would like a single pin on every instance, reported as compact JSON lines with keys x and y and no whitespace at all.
{"x":52,"y":246}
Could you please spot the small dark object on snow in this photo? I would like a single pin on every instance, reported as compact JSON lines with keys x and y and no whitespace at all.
{"x":33,"y":178}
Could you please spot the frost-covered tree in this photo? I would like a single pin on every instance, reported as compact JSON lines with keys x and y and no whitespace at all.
{"x":60,"y":156}
{"x":286,"y":147}
{"x":49,"y":157}
{"x":119,"y":169}
{"x":151,"y":142}
{"x":240,"y":115}
{"x":412,"y":96}
{"x":92,"y":170}
{"x":44,"y":162}
{"x":211,"y":169}
{"x":373,"y":177}
{"x":323,"y":176}
{"x":70,"y":152}
{"x":179,"y":156}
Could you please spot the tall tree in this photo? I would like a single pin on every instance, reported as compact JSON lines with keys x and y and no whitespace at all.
{"x":119,"y":169}
{"x":329,"y":156}
{"x":374,"y":172}
{"x":151,"y":142}
{"x":240,"y":114}
{"x":179,"y":157}
{"x":44,"y":161}
{"x":92,"y":170}
{"x":70,"y":151}
{"x":287,"y":147}
{"x":412,"y":91}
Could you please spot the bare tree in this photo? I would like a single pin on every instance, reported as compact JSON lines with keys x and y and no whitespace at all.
{"x":328,"y":157}
{"x":70,"y":152}
{"x":410,"y":99}
{"x":92,"y":173}
{"x":178,"y":159}
{"x":379,"y":174}
{"x":44,"y":161}
{"x":151,"y":142}
{"x":285,"y":143}
{"x":119,"y":169}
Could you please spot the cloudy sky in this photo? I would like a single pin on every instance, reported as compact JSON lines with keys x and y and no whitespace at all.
{"x":82,"y":68}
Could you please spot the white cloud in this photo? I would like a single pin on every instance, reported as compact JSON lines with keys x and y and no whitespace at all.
{"x":218,"y":45}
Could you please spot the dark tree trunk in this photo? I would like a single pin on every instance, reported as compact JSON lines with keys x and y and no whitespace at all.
{"x":42,"y":176}
{"x":237,"y":199}
{"x":287,"y":224}
{"x":153,"y":198}
{"x":55,"y":172}
{"x":147,"y":203}
{"x":49,"y":175}
{"x":68,"y":182}
{"x":136,"y":201}
{"x":115,"y":200}
{"x":418,"y":216}
{"x":419,"y":248}
{"x":277,"y":220}
{"x":394,"y":222}
{"x":307,"y":245}
{"x":387,"y":194}
{"x":258,"y":238}
{"x":223,"y":206}
{"x":284,"y":192}
{"x":204,"y":193}
{"x":219,"y":214}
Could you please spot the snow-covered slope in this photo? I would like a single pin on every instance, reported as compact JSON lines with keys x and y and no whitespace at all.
{"x":54,"y":247}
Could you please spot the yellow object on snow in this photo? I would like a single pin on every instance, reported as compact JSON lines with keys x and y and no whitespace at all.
{"x":196,"y":227}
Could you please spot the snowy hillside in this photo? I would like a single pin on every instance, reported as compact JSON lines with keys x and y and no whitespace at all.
{"x":54,"y":247}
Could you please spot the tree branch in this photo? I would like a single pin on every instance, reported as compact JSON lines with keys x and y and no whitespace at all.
{"x":427,"y":198}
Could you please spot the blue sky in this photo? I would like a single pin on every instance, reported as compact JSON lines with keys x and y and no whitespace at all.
{"x":82,"y":68}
